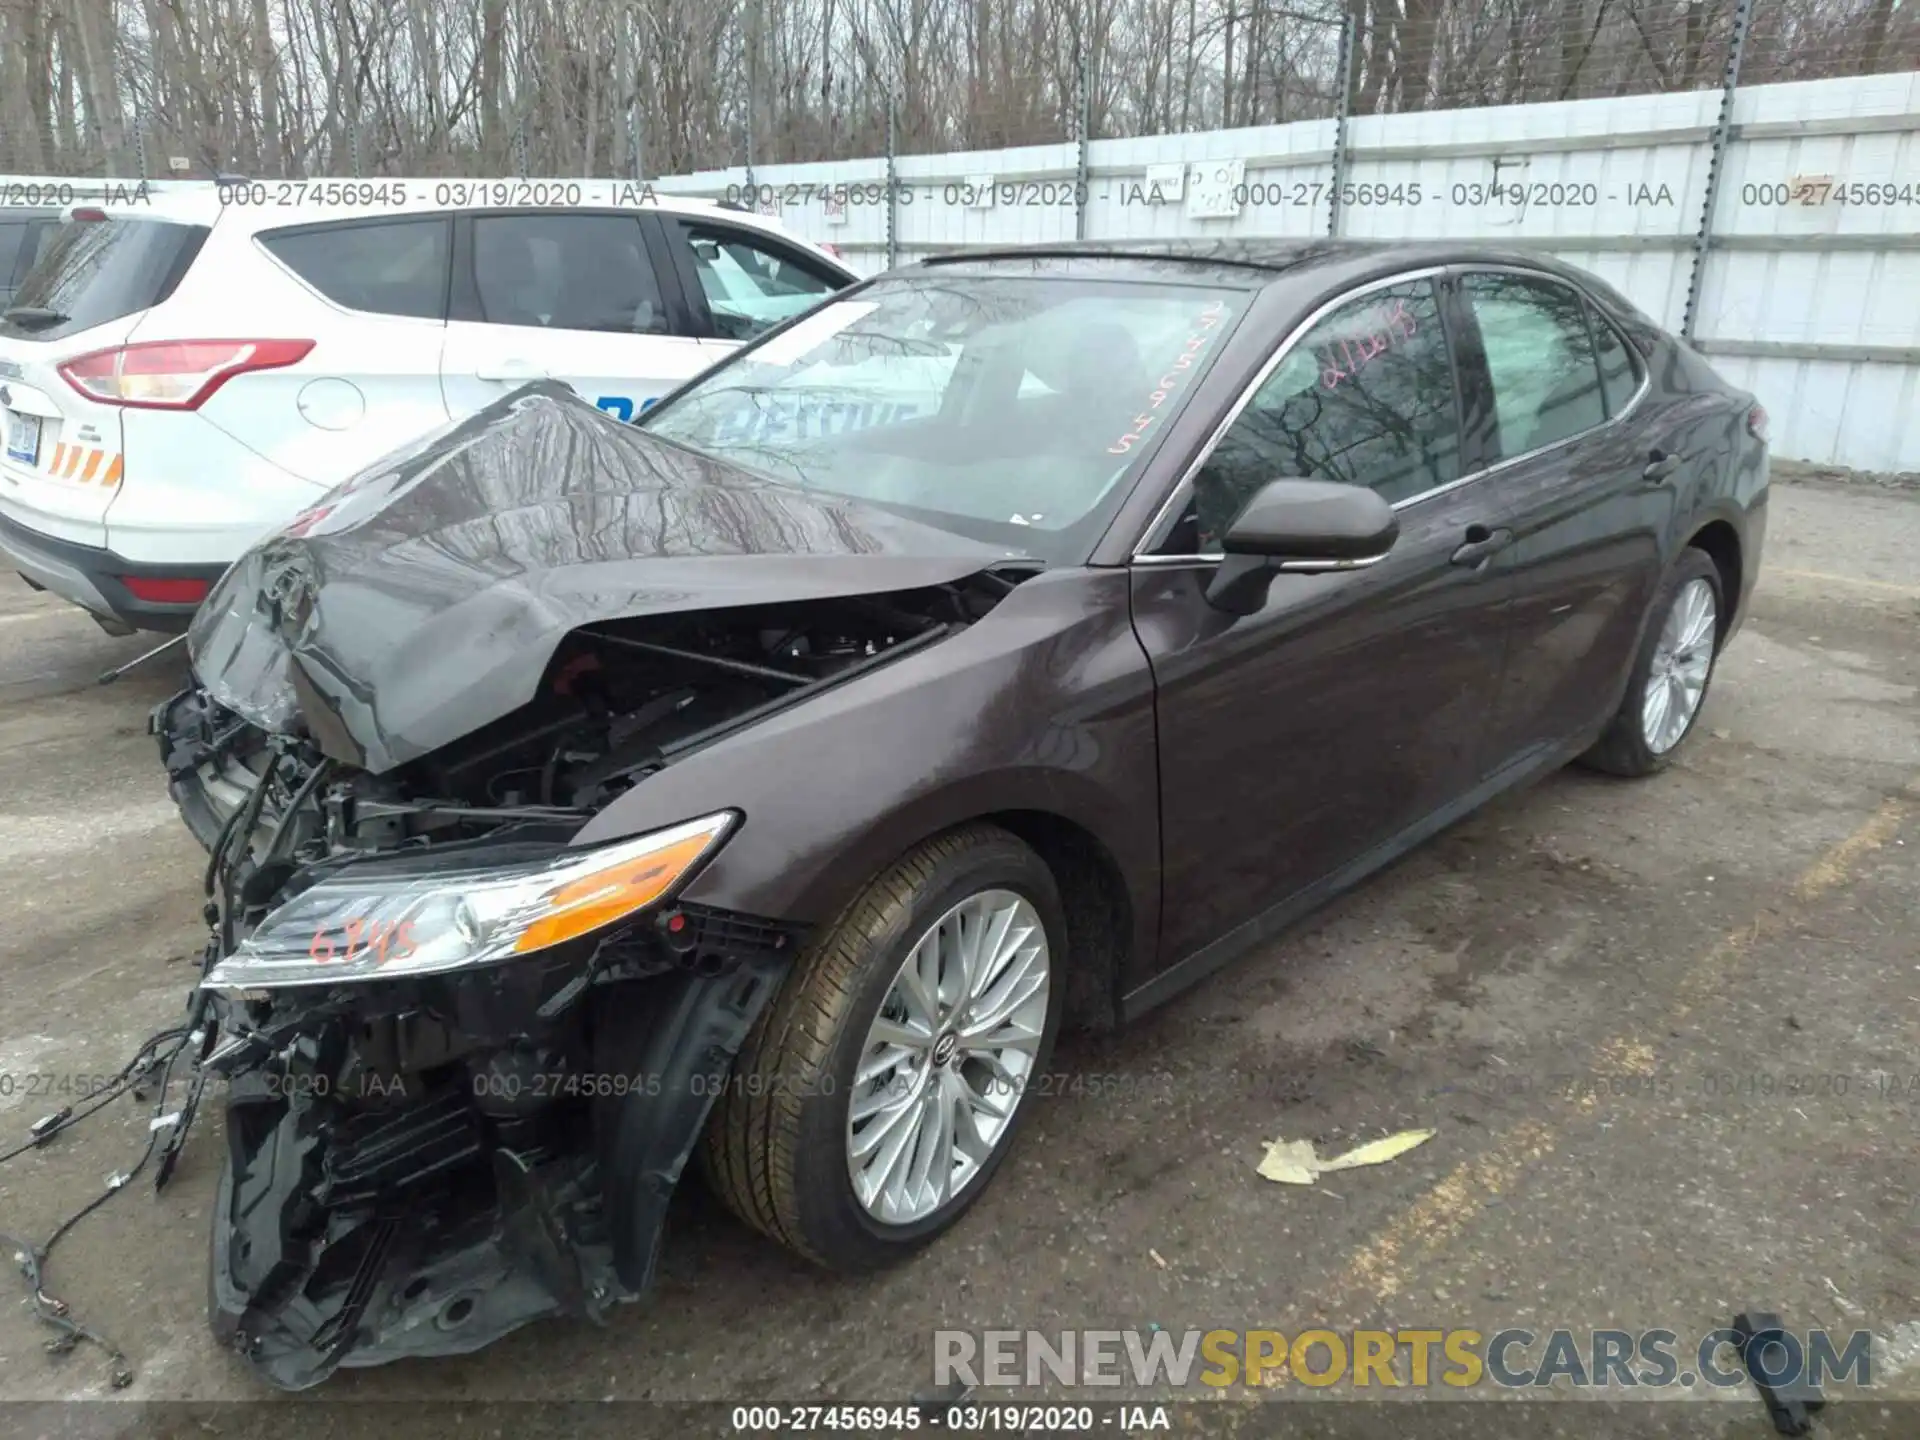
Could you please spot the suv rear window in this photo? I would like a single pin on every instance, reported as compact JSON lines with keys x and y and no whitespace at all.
{"x":385,"y":267}
{"x":13,"y":240}
{"x":93,"y":271}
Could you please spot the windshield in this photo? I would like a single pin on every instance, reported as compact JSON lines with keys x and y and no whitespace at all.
{"x":1007,"y":408}
{"x":93,"y":271}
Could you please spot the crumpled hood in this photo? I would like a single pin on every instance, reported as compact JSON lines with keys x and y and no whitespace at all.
{"x":425,"y":597}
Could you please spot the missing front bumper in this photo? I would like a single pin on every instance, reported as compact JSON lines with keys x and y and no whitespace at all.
{"x":346,"y":1235}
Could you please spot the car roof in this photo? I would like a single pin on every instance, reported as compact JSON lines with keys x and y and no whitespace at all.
{"x":1265,"y":259}
{"x":201,"y":203}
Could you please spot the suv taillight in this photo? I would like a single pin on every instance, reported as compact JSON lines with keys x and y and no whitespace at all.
{"x":1757,"y":423}
{"x":173,"y":374}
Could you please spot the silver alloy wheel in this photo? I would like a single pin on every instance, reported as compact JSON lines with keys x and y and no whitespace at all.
{"x":948,"y":1057}
{"x":1682,"y":658}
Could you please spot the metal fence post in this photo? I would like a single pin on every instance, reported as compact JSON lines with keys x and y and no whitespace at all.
{"x":1085,"y":123}
{"x":893,"y":231}
{"x":1716,"y":164}
{"x":520,"y":146}
{"x":752,"y":46}
{"x":140,"y":135}
{"x":1340,"y":123}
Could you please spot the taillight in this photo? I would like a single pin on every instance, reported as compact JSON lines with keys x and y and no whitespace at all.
{"x":157,"y":591}
{"x":1757,"y":423}
{"x":174,"y":374}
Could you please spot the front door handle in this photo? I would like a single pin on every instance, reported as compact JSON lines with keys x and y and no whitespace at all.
{"x":1660,"y":465}
{"x":1482,"y":545}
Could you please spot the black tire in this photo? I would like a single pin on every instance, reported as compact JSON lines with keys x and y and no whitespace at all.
{"x":775,"y":1146}
{"x":1622,"y":747}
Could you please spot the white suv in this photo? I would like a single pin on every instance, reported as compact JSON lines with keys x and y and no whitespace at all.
{"x":181,"y":376}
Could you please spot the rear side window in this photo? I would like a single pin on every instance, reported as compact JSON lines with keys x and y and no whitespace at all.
{"x":1365,"y":398}
{"x":1618,"y":377}
{"x":1546,"y":385}
{"x":566,"y":272}
{"x":385,"y":267}
{"x":92,"y":271}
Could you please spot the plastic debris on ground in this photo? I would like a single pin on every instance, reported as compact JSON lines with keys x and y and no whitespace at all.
{"x":1294,"y":1162}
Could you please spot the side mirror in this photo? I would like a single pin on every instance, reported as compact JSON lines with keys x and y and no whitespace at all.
{"x":1299,"y":525}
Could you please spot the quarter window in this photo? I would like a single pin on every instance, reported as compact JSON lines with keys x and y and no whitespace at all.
{"x":388,"y":267}
{"x":1546,"y":384}
{"x":566,"y":272}
{"x":1618,"y":378}
{"x":750,"y":288}
{"x":1366,"y":397}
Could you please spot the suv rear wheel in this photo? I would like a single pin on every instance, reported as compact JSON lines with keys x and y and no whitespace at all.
{"x":875,"y":1098}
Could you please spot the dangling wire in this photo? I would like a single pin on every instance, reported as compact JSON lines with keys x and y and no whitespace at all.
{"x":32,"y":1259}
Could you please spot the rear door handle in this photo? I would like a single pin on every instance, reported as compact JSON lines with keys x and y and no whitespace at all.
{"x":1482,"y":545}
{"x":1659,"y":466}
{"x":511,"y":370}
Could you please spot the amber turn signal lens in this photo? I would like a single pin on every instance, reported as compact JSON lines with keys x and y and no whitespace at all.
{"x":592,"y":901}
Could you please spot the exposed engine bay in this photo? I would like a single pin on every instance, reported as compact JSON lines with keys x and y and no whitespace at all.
{"x":464,"y":1066}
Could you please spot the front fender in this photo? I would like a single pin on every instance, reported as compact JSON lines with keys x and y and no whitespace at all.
{"x":1046,"y":704}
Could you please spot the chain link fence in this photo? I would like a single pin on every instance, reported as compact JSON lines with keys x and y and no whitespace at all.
{"x":360,"y":88}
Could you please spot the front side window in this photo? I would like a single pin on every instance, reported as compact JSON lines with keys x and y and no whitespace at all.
{"x":1546,"y":385}
{"x":566,"y":272}
{"x":750,"y":288}
{"x":1009,"y":408}
{"x":387,"y":267}
{"x":1365,"y":397}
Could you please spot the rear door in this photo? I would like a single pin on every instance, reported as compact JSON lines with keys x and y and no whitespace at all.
{"x":61,"y":462}
{"x":1588,"y":501}
{"x":370,"y":292}
{"x":565,"y":295}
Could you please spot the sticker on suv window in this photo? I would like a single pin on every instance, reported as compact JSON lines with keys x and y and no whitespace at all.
{"x":621,"y":406}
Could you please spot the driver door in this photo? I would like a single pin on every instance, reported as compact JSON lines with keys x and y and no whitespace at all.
{"x":1306,"y":743}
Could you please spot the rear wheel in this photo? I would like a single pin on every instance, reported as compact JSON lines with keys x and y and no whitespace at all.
{"x":874,"y":1100}
{"x":1670,"y":675}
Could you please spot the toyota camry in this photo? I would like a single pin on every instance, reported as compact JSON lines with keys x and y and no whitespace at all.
{"x":1008,"y":642}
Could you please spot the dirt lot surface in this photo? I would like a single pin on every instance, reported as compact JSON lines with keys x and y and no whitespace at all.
{"x":1668,"y":1033}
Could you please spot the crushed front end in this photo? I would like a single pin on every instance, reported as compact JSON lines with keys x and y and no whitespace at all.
{"x":466,"y":1045}
{"x":417,"y":1167}
{"x":464,"y":1057}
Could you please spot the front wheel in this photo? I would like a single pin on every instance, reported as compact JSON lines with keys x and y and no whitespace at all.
{"x":874,"y":1100}
{"x":1670,"y":674}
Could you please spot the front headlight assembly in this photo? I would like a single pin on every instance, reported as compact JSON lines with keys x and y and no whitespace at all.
{"x":368,"y":926}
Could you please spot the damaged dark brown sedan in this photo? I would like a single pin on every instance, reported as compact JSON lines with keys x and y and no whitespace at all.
{"x":1012,"y":640}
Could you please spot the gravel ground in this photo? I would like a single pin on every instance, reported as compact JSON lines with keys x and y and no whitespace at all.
{"x":1668,"y":1033}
